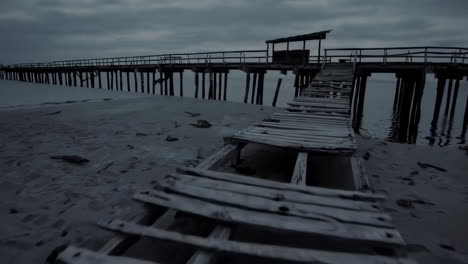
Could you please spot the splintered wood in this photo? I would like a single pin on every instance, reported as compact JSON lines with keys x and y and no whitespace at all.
{"x":317,"y":121}
{"x":336,"y":215}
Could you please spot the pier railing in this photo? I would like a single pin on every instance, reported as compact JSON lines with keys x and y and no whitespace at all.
{"x":219,"y":57}
{"x":399,"y":54}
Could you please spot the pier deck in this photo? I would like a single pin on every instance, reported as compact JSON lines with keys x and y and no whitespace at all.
{"x":288,"y":218}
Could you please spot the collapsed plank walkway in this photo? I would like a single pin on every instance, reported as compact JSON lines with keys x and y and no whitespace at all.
{"x":297,"y":223}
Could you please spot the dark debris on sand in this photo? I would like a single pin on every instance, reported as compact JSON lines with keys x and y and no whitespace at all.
{"x":75,"y":159}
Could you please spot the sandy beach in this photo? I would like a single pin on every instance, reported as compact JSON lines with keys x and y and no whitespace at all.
{"x":130,"y":142}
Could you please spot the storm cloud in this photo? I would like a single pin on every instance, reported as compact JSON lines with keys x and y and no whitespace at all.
{"x":47,"y":30}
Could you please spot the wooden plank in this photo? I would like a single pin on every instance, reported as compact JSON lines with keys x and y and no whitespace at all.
{"x":317,"y":109}
{"x":298,"y":133}
{"x":311,"y":147}
{"x":74,"y":255}
{"x":230,"y":177}
{"x":229,"y":153}
{"x":320,"y":226}
{"x":276,"y":195}
{"x":300,"y":169}
{"x":277,"y":253}
{"x":331,"y":107}
{"x":256,"y":203}
{"x":361,"y":181}
{"x":329,"y":142}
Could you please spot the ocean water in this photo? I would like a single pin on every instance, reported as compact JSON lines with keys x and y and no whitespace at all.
{"x":376,"y":120}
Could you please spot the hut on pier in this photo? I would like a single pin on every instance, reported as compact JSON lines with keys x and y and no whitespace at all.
{"x":297,"y":56}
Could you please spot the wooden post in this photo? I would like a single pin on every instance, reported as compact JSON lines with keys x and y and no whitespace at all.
{"x":247,"y":86}
{"x":319,"y":49}
{"x":455,"y":96}
{"x":214,"y":92}
{"x":253,"y":98}
{"x":172,"y":83}
{"x":449,"y":94}
{"x":196,"y":84}
{"x":260,"y":88}
{"x":278,"y":86}
{"x":121,"y":80}
{"x":225,"y":85}
{"x":108,"y":80}
{"x":87,"y":79}
{"x":99,"y":79}
{"x":166,"y":76}
{"x":397,"y":93}
{"x":220,"y":85}
{"x":154,"y":81}
{"x":112,"y":80}
{"x":296,"y":85}
{"x":60,"y":77}
{"x":161,"y":80}
{"x":148,"y":85}
{"x":142,"y":80}
{"x":128,"y":81}
{"x":135,"y":79}
{"x":92,"y":79}
{"x":465,"y":120}
{"x":203,"y":84}
{"x":181,"y":83}
{"x":81,"y":78}
{"x":210,"y":88}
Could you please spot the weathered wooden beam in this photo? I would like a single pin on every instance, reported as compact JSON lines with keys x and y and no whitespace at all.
{"x":172,"y":83}
{"x":128,"y":81}
{"x":135,"y":70}
{"x":196,"y":84}
{"x":203,"y":85}
{"x":181,"y":83}
{"x":455,"y":97}
{"x":254,"y":96}
{"x":161,"y":82}
{"x":121,"y":80}
{"x":214,"y":92}
{"x":154,"y":82}
{"x":225,"y":85}
{"x":99,"y":79}
{"x":278,"y":86}
{"x":449,"y":96}
{"x":142,"y":80}
{"x":247,"y":86}
{"x":148,"y":84}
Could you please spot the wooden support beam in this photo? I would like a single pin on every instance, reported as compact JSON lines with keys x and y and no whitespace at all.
{"x":128,"y":81}
{"x":99,"y":78}
{"x":449,"y":96}
{"x":154,"y":82}
{"x":278,"y":86}
{"x":214,"y":92}
{"x":455,"y":97}
{"x":247,"y":86}
{"x":142,"y":80}
{"x":220,"y":85}
{"x":92,"y":79}
{"x":196,"y":84}
{"x":254,"y":96}
{"x":181,"y":83}
{"x":172,"y":83}
{"x":296,"y":85}
{"x":148,"y":84}
{"x":161,"y":82}
{"x":135,"y":80}
{"x":397,"y":93}
{"x":121,"y":80}
{"x":166,"y":86}
{"x":225,"y":86}
{"x":203,"y":85}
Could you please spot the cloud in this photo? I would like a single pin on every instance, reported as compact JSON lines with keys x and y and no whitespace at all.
{"x":46,"y":30}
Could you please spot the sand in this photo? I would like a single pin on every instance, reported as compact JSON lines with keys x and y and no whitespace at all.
{"x":48,"y":202}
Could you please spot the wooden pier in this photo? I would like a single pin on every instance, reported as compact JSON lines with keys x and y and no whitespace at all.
{"x":156,"y":74}
{"x":255,"y":219}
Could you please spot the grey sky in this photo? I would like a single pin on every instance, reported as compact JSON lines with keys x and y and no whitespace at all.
{"x":47,"y":30}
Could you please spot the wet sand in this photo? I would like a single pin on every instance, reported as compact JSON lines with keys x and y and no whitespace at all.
{"x":129,"y":143}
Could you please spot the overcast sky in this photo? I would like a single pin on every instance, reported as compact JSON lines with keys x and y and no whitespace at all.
{"x":47,"y":30}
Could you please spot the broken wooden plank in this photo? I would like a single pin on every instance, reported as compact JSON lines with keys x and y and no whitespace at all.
{"x":300,"y":169}
{"x":280,"y":253}
{"x":276,"y":195}
{"x":230,"y":177}
{"x":320,"y":226}
{"x":261,"y":204}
